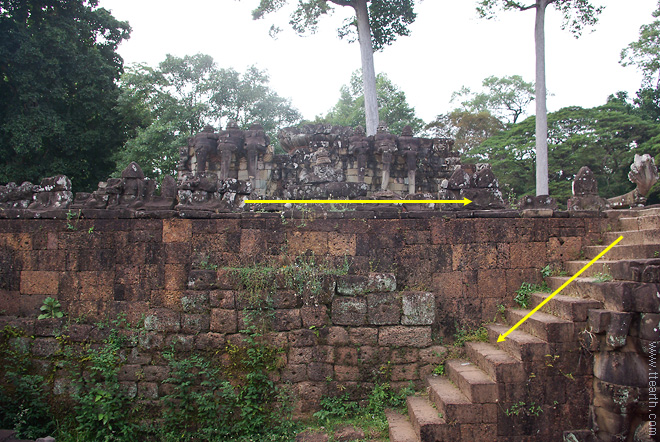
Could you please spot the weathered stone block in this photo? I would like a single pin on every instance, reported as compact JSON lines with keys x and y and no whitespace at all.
{"x":363,"y":336}
{"x":349,"y":311}
{"x":347,"y":373}
{"x":223,"y":321}
{"x":649,"y":327}
{"x":147,"y":390}
{"x":418,"y":308}
{"x":302,"y":338}
{"x":403,"y":336}
{"x":175,"y":277}
{"x":295,"y":373}
{"x":383,"y":308}
{"x":195,"y":302}
{"x":360,"y":284}
{"x":342,"y":244}
{"x":622,"y":368}
{"x":617,"y":331}
{"x":195,"y":323}
{"x":210,"y":341}
{"x":163,"y":320}
{"x":317,"y":371}
{"x":598,"y":320}
{"x":177,"y":230}
{"x":346,"y":356}
{"x":39,"y":282}
{"x":314,"y":316}
{"x":201,"y":279}
{"x":286,"y":319}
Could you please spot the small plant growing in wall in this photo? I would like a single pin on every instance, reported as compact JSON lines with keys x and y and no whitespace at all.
{"x":51,"y":308}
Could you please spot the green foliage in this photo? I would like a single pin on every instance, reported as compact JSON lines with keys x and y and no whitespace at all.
{"x":23,"y":393}
{"x":603,"y":277}
{"x":604,"y":138}
{"x":645,"y":52}
{"x":577,"y":14}
{"x":58,"y":92}
{"x":464,"y":335}
{"x":178,"y":98}
{"x":103,"y":411}
{"x":394,"y":109}
{"x":524,"y":409}
{"x":524,"y":293}
{"x":506,"y":98}
{"x":337,"y":407}
{"x":200,"y":404}
{"x":382,"y":397}
{"x":468,"y":130}
{"x":439,"y":369}
{"x":388,"y":19}
{"x":51,"y":309}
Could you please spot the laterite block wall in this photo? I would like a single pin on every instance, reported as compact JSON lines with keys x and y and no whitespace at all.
{"x":412,"y":279}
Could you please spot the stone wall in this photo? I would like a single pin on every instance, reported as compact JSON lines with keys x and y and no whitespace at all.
{"x":413,"y":278}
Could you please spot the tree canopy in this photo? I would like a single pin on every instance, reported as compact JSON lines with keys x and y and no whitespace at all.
{"x":377,"y":24}
{"x":506,"y":98}
{"x":577,"y":15}
{"x":394,"y":110}
{"x":178,"y":98}
{"x":58,"y":94}
{"x":468,"y":129}
{"x":604,"y":138}
{"x":388,"y":19}
{"x":645,"y":52}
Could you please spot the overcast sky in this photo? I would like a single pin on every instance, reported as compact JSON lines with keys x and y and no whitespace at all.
{"x":449,"y":47}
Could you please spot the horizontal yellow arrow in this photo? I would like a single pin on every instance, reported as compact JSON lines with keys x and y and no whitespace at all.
{"x":464,"y":201}
{"x":527,"y":316}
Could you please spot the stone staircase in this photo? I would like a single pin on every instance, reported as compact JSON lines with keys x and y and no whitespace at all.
{"x":538,"y":385}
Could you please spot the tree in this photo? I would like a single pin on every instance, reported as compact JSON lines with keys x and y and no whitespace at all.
{"x":645,"y":52}
{"x":394,"y":110}
{"x":506,"y":98}
{"x":58,"y":91}
{"x":577,"y":15}
{"x":178,"y":98}
{"x":468,"y":129}
{"x":378,"y":24}
{"x":605,"y":138}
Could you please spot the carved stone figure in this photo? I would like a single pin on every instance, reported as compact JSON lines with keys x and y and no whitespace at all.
{"x":409,"y":147}
{"x":358,"y":145}
{"x":54,"y":193}
{"x":385,"y":144}
{"x":205,"y":144}
{"x":585,"y":192}
{"x":256,"y":142}
{"x":184,"y":155}
{"x":229,"y":141}
{"x":644,"y":174}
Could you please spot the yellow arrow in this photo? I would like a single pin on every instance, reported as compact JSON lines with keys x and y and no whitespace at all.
{"x":464,"y":201}
{"x":527,"y":316}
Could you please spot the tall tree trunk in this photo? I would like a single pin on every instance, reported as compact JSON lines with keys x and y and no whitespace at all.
{"x":541,"y":108}
{"x":368,"y":70}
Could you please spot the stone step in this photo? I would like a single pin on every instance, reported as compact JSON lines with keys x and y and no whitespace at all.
{"x":622,"y":296}
{"x":643,"y":222}
{"x":7,"y":435}
{"x":518,"y":343}
{"x":636,"y":251}
{"x":638,"y":270}
{"x":647,"y":236}
{"x":566,"y":307}
{"x":542,"y":325}
{"x":401,"y":430}
{"x":455,"y":406}
{"x":495,"y":362}
{"x":472,"y":381}
{"x":429,"y":426}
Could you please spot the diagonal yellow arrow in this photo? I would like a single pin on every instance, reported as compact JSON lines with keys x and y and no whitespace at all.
{"x":527,"y":316}
{"x":464,"y":201}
